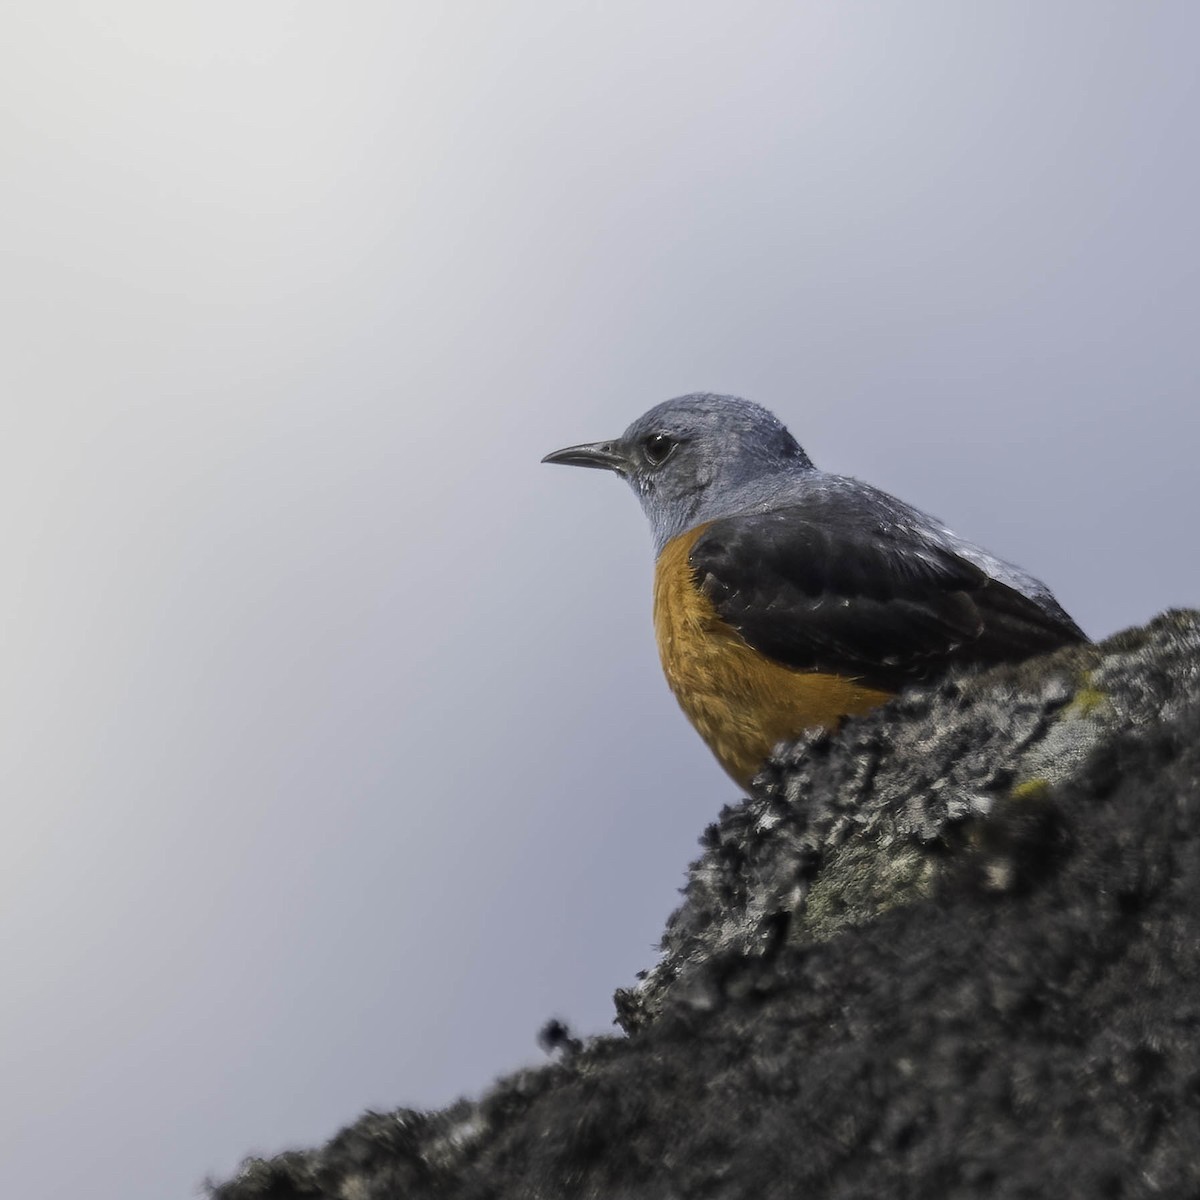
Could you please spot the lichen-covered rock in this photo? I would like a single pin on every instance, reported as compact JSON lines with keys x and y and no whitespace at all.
{"x":952,"y":951}
{"x":842,"y":827}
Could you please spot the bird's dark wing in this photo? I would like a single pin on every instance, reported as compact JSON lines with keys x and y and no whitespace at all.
{"x":833,"y":585}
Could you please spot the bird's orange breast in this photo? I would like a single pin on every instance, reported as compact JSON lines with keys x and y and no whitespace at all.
{"x":740,"y":702}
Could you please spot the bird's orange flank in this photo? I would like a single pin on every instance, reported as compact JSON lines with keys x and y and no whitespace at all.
{"x":741,"y":703}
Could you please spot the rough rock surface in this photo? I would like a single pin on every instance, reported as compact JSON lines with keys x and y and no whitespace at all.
{"x":952,"y":950}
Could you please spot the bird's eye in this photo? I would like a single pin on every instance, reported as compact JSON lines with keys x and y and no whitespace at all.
{"x":657,"y":447}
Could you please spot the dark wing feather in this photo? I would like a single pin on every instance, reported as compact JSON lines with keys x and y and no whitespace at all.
{"x":833,"y":585}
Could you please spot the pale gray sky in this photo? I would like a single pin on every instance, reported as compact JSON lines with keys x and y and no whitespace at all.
{"x":335,"y":752}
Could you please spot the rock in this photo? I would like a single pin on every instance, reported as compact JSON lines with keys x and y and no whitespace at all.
{"x":951,"y":950}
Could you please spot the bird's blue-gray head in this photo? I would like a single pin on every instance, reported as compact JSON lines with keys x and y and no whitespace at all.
{"x":694,"y":459}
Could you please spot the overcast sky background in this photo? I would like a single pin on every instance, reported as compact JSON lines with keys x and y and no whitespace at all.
{"x":335,"y":753}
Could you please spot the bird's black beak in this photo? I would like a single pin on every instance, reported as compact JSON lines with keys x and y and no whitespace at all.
{"x":606,"y":456}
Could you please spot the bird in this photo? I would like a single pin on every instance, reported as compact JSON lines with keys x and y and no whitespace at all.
{"x":787,"y":599}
